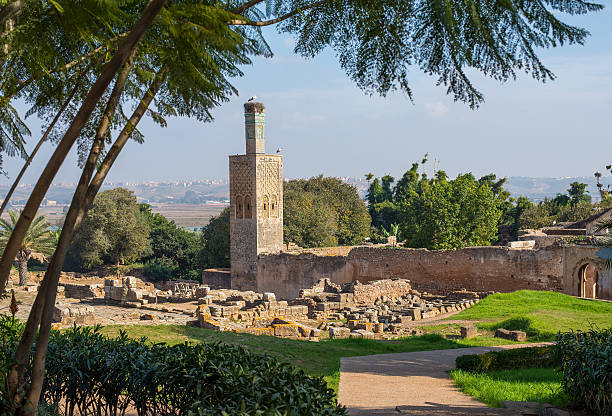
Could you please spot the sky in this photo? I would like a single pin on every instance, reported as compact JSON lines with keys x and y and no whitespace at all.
{"x":326,"y":125}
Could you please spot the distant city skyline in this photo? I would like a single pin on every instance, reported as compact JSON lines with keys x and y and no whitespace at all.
{"x":326,"y":125}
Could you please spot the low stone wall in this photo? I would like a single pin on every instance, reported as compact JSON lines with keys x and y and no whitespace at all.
{"x":78,"y":291}
{"x":217,"y":278}
{"x":479,"y":269}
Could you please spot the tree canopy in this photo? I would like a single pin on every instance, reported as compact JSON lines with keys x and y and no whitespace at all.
{"x":437,"y":212}
{"x":323,"y":211}
{"x":178,"y":250}
{"x":115,"y":231}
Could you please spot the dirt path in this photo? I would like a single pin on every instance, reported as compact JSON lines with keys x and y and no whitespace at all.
{"x":412,"y":383}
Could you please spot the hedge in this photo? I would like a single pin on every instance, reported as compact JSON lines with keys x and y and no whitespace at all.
{"x":586,"y":363}
{"x":91,"y":374}
{"x":530,"y":357}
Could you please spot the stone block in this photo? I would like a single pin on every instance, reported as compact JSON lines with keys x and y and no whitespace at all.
{"x":202,"y":291}
{"x":427,"y":314}
{"x":286,"y":330}
{"x":206,"y":300}
{"x":134,"y":294}
{"x":468,"y":332}
{"x":511,"y":335}
{"x":415,"y":313}
{"x":339,"y":333}
{"x":130,"y":281}
{"x":269,"y":297}
{"x":379,"y":328}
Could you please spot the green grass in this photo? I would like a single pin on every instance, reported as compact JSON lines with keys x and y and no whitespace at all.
{"x":528,"y":384}
{"x":539,"y":313}
{"x":315,"y":358}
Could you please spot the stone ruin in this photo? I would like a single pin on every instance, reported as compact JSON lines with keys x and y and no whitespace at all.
{"x":68,"y":315}
{"x":380,"y":309}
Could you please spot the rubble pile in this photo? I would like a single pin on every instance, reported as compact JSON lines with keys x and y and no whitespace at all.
{"x":374,"y":310}
{"x":68,"y":315}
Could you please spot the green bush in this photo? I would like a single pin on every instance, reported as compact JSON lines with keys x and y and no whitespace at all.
{"x":10,"y":331}
{"x":531,"y":357}
{"x":586,"y":363}
{"x":161,"y":268}
{"x":91,"y":374}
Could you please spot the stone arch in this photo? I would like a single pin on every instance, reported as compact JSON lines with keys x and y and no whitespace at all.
{"x":266,"y":207}
{"x":239,"y":207}
{"x":248,"y":207}
{"x":588,"y":280}
{"x":274,"y":206}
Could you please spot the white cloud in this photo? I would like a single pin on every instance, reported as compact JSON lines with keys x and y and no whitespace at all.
{"x":435,"y":108}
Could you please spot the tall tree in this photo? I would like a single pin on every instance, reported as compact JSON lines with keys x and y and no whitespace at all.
{"x":323,"y":211}
{"x":215,"y":241}
{"x":38,"y":239}
{"x":115,"y":231}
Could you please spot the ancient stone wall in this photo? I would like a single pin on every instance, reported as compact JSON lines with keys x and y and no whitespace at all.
{"x":79,"y":291}
{"x":217,"y":278}
{"x":475,"y":268}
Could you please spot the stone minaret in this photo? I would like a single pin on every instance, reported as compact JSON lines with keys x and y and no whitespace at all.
{"x":256,"y":201}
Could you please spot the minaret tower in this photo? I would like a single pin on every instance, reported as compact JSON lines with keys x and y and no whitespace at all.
{"x":256,"y":201}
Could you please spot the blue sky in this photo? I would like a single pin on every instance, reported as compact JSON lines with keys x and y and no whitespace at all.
{"x":327,"y":125}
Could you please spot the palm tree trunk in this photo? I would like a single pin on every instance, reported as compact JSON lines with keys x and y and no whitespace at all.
{"x":41,"y":141}
{"x":22,"y":266}
{"x":55,"y":162}
{"x":44,"y":296}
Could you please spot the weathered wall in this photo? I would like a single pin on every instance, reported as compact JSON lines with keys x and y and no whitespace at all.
{"x":574,"y":258}
{"x":217,"y":278}
{"x":475,"y":268}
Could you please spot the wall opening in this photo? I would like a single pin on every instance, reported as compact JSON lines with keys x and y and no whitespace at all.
{"x":266,"y":207}
{"x":239,"y":207}
{"x":588,"y":277}
{"x":274,"y":207}
{"x":248,"y":207}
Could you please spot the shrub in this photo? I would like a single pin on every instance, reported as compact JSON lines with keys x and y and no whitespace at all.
{"x":10,"y":331}
{"x":586,"y":363}
{"x":91,"y":374}
{"x":161,"y":268}
{"x":531,"y":357}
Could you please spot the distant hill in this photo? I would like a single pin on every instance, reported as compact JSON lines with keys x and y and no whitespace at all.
{"x":217,"y":191}
{"x":537,"y":189}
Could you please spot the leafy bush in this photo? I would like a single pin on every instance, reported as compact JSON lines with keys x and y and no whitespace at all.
{"x":532,"y":357}
{"x":91,"y":374}
{"x":586,"y":363}
{"x":161,"y":268}
{"x":10,"y":331}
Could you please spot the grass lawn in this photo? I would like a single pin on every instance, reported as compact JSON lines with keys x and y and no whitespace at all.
{"x":527,"y":384}
{"x":540,"y":314}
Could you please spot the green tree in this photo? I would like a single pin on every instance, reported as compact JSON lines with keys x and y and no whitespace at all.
{"x":578,"y":193}
{"x":215,"y":241}
{"x":446,"y":214}
{"x":180,"y":248}
{"x":536,"y":216}
{"x":38,"y":239}
{"x":323,"y":212}
{"x":114,"y":231}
